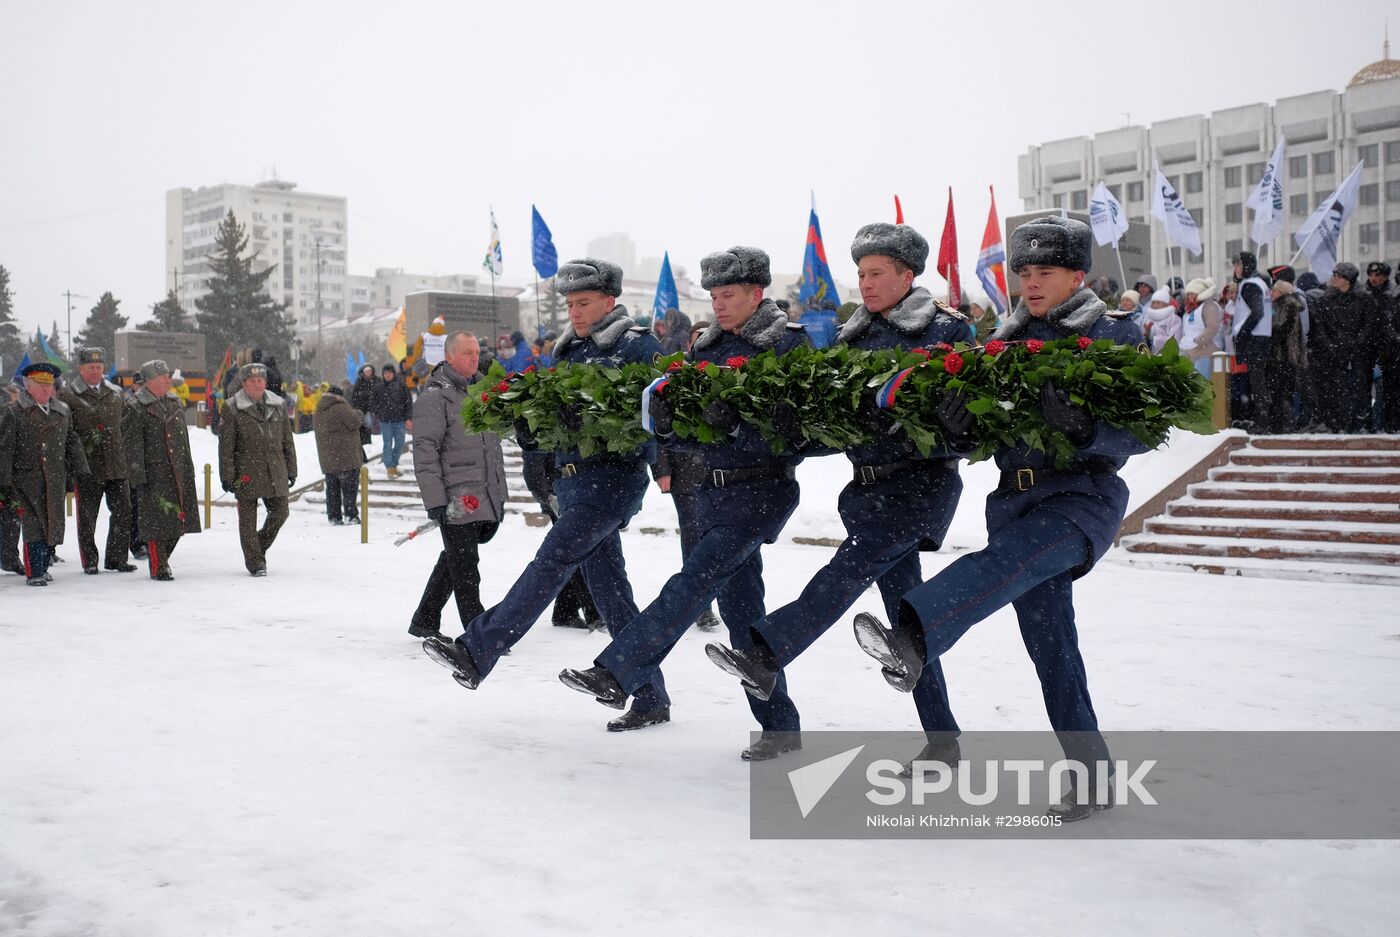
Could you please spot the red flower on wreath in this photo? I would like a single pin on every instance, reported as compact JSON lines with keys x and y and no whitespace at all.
{"x":943,"y":346}
{"x":675,"y":366}
{"x":470,"y":503}
{"x":485,"y":398}
{"x":738,"y":361}
{"x":1085,"y":342}
{"x":531,"y":368}
{"x":953,"y":363}
{"x":502,"y":387}
{"x":922,"y":351}
{"x":1034,"y":345}
{"x":101,"y":428}
{"x":551,"y":370}
{"x":994,"y":347}
{"x":181,"y":515}
{"x":244,"y":479}
{"x":702,"y":365}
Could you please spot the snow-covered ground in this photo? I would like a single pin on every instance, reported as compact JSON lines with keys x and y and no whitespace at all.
{"x":224,"y":755}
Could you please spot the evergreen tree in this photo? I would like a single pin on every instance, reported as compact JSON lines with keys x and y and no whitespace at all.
{"x":552,"y":308}
{"x":238,"y":311}
{"x":168,"y":316}
{"x":11,"y":343}
{"x":56,"y":343}
{"x":100,"y":331}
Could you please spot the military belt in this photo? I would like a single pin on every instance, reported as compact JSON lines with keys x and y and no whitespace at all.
{"x":870,"y":474}
{"x":1024,"y":479}
{"x":570,"y":469}
{"x":723,"y":478}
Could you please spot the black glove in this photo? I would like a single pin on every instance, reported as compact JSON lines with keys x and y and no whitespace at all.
{"x":663,"y":415}
{"x":438,"y":514}
{"x":227,"y":486}
{"x":956,"y":419}
{"x":523,"y":435}
{"x":571,"y":418}
{"x":1074,"y":422}
{"x":70,"y":484}
{"x":882,"y":422}
{"x":291,"y":480}
{"x":786,"y":422}
{"x":722,"y":416}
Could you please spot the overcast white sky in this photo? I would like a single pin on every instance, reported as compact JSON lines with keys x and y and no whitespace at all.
{"x":692,"y":126}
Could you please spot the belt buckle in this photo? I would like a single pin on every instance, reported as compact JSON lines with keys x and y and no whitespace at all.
{"x":1025,"y":479}
{"x":867,"y":475}
{"x":568,"y":470}
{"x":717,"y":478}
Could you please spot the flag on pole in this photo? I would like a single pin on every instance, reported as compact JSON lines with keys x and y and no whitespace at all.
{"x":492,"y":261}
{"x":1267,"y":199}
{"x":667,"y":296}
{"x":1167,"y":207}
{"x":545,"y":256}
{"x":1319,"y":234}
{"x":54,"y":358}
{"x":991,"y":262}
{"x":898,"y":211}
{"x":948,"y":256}
{"x":350,"y":367}
{"x":818,"y":289}
{"x":221,"y":372}
{"x":397,"y":343}
{"x":1107,"y":217}
{"x":23,"y":363}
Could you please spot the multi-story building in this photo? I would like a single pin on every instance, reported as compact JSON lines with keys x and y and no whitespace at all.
{"x":618,"y":248}
{"x":1215,"y":162}
{"x":296,"y":231}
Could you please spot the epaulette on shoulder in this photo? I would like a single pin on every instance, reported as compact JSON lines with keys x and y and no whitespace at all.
{"x":797,"y":325}
{"x":950,"y":311}
{"x":639,"y":329}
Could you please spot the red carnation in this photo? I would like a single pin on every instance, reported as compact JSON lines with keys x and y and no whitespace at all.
{"x":502,"y":387}
{"x":181,"y":515}
{"x":702,"y":365}
{"x":994,"y":347}
{"x":736,"y":362}
{"x":551,"y":370}
{"x":1034,"y":345}
{"x":943,"y":346}
{"x":470,"y":503}
{"x":923,"y":351}
{"x":953,"y":363}
{"x":485,"y":398}
{"x":101,"y":428}
{"x":245,"y":479}
{"x":1085,"y":342}
{"x":675,"y":366}
{"x":530,"y":369}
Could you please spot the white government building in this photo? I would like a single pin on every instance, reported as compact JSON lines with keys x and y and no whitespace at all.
{"x":1214,"y":163}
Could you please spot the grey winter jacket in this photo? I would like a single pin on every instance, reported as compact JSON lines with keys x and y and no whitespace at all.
{"x":449,"y":462}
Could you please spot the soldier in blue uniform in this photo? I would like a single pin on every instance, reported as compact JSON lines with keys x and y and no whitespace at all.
{"x":597,"y":495}
{"x":1046,"y":526}
{"x":747,"y":497}
{"x":898,"y":501}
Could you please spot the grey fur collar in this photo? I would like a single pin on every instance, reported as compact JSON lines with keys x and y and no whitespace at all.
{"x":1076,"y":314}
{"x":83,"y":387}
{"x":242,"y":401}
{"x":55,"y":405}
{"x":606,"y":332}
{"x":145,"y":398}
{"x":764,"y":329}
{"x":912,"y":315}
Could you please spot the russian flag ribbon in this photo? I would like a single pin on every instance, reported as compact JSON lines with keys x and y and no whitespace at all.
{"x":655,"y":387}
{"x":885,"y":398}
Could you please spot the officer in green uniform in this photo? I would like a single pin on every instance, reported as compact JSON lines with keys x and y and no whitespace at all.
{"x":160,"y":468}
{"x":257,"y":460}
{"x":98,"y":417}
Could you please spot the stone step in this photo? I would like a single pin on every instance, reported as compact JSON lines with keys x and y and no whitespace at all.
{"x":1330,"y":475}
{"x":1326,"y":442}
{"x":1263,"y":529}
{"x":1316,"y":458}
{"x":1292,"y":570}
{"x":1317,"y":552}
{"x":1350,"y":511}
{"x":1261,"y":491}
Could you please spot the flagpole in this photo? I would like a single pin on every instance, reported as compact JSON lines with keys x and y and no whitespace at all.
{"x":495,"y":322}
{"x":1121,"y":272}
{"x":538,"y":314}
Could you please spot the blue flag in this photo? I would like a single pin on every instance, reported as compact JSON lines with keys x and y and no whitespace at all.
{"x":818,"y":290}
{"x":362,"y":362}
{"x":350,"y":367}
{"x":53,"y":357}
{"x":546,"y":257}
{"x":667,"y":296}
{"x":23,"y":363}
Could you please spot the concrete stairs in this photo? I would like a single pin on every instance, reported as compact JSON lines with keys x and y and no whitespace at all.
{"x":1286,"y":507}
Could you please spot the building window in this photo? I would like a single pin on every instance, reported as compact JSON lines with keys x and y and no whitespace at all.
{"x":1392,"y":151}
{"x":1079,"y":199}
{"x":1256,"y":172}
{"x":1298,"y":205}
{"x":1261,"y":252}
{"x":1057,"y":200}
{"x":1174,"y":256}
{"x":1392,"y":190}
{"x":1298,"y":167}
{"x":1197,"y":214}
{"x":1392,"y":232}
{"x":1370,"y":154}
{"x":1323,"y":163}
{"x":1134,"y":191}
{"x":1175,"y":183}
{"x":1233,"y":247}
{"x":287,"y":217}
{"x":1370,"y":233}
{"x":1234,"y":213}
{"x":1195,"y":181}
{"x":1234,"y":176}
{"x":1371,"y":194}
{"x":1116,"y":191}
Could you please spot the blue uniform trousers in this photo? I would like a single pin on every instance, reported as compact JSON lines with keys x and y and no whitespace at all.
{"x":724,"y":563}
{"x":586,"y":534}
{"x":1028,"y":563}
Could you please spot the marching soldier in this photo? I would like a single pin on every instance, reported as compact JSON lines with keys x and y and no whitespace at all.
{"x":257,"y":460}
{"x":9,"y":520}
{"x":39,"y":452}
{"x":160,"y":468}
{"x":897,"y":503}
{"x":99,"y":414}
{"x":748,"y":495}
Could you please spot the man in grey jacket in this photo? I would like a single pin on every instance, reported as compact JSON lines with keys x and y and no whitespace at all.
{"x":462,"y":480}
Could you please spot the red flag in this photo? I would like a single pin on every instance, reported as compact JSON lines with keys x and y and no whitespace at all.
{"x":948,"y":256}
{"x":898,"y":211}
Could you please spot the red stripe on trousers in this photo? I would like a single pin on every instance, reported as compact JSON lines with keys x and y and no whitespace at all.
{"x":153,"y":556}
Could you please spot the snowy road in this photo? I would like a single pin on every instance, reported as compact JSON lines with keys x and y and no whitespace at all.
{"x":229,"y":756}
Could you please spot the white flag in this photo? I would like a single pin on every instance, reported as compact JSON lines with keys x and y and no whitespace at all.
{"x":1107,"y":217}
{"x":1267,"y":199}
{"x":492,"y":261}
{"x":1318,"y":236}
{"x":1167,"y":208}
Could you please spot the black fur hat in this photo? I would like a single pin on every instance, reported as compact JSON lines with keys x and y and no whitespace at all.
{"x":1052,"y":241}
{"x":588,"y":273}
{"x":747,"y":265}
{"x":898,"y":241}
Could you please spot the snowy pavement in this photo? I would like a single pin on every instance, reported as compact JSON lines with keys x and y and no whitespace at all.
{"x":228,"y":756}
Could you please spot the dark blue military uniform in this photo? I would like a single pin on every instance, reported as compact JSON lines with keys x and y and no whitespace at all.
{"x":597,"y":495}
{"x":897,"y":503}
{"x":736,"y":516}
{"x":1046,"y":527}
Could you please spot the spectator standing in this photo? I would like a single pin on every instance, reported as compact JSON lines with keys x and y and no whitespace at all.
{"x":1386,"y":298}
{"x":1288,"y":363}
{"x":337,"y":427}
{"x":393,"y":407}
{"x":1200,"y":324}
{"x":362,"y":399}
{"x":1162,"y":321}
{"x":1342,"y":322}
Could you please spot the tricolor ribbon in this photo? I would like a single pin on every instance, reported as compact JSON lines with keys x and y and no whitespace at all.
{"x":655,"y":387}
{"x":885,"y":398}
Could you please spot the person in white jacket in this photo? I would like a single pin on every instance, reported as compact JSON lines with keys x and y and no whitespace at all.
{"x":1162,"y":321}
